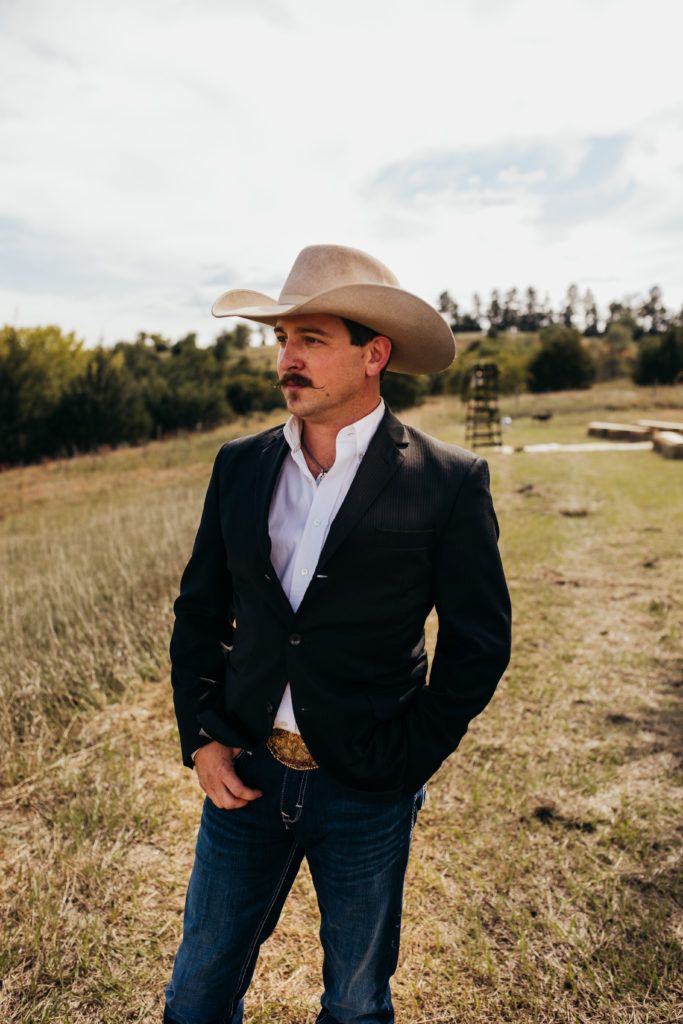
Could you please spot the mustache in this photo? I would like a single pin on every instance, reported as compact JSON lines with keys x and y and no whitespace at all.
{"x":295,"y":378}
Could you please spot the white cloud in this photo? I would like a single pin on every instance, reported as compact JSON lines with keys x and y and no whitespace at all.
{"x":151,"y":151}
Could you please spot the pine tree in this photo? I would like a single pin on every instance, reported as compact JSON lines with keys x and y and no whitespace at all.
{"x":590,"y":315}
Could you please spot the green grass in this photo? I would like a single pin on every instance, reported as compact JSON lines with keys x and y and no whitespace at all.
{"x":545,"y":880}
{"x":571,"y":413}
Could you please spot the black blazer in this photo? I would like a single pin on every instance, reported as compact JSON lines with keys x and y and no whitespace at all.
{"x":417,"y":529}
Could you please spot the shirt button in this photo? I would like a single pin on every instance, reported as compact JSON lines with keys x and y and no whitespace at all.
{"x":316,"y":522}
{"x":295,"y":639}
{"x":304,"y":572}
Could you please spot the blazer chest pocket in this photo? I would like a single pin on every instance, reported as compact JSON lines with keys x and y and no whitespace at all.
{"x":390,"y":705}
{"x":405,"y":539}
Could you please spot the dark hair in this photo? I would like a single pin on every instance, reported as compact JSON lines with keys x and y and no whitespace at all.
{"x":361,"y":335}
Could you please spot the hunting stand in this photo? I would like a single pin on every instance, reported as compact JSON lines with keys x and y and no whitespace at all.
{"x":482,"y":426}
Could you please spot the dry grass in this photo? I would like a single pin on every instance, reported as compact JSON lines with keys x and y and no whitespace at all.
{"x":93,"y":548}
{"x":545,"y":879}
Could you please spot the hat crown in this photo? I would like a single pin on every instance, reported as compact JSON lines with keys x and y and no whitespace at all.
{"x":320,"y":268}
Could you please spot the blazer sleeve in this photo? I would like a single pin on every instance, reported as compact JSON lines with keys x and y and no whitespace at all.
{"x":204,"y":622}
{"x":474,"y":630}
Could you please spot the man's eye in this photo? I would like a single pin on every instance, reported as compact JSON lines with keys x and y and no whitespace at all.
{"x":308,"y":338}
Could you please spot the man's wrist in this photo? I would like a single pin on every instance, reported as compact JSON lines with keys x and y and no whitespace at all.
{"x":208,"y":739}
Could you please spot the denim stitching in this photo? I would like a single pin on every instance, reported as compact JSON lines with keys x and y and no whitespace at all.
{"x":282,"y":795}
{"x":265,"y":915}
{"x":300,"y":800}
{"x":288,"y":819}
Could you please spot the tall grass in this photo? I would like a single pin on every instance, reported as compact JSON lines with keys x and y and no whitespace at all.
{"x":87,"y":611}
{"x":91,"y":552}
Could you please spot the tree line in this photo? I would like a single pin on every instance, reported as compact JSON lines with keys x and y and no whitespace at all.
{"x":539,"y":348}
{"x":514,"y":311}
{"x":58,"y":398}
{"x":560,"y":358}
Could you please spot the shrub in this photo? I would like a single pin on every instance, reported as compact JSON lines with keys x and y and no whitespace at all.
{"x":36,"y":366}
{"x":105,"y":405}
{"x":562,"y":363}
{"x":251,"y":392}
{"x":401,"y":390}
{"x":660,"y":359}
{"x":511,"y":353}
{"x":613,"y":352}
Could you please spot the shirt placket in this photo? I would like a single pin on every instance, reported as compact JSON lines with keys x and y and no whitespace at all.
{"x":318,"y":519}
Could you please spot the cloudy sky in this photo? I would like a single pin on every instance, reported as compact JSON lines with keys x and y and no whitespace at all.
{"x":154,"y":154}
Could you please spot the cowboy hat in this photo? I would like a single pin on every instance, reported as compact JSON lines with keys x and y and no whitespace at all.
{"x":346,"y":282}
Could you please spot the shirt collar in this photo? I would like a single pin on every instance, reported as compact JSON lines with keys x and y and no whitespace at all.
{"x":358,"y":434}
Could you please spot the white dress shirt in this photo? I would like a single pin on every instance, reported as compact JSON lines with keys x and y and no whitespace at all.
{"x":301,"y":512}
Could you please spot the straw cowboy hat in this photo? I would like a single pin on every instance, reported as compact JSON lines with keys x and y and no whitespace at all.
{"x":351,"y":284}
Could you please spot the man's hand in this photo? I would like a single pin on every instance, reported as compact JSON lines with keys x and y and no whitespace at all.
{"x":218,"y":778}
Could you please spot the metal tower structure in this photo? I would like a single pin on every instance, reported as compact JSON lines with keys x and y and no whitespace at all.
{"x":482,"y":426}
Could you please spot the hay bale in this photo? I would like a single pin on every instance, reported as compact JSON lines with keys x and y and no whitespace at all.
{"x":669,"y":444}
{"x":618,"y":431}
{"x":654,"y":425}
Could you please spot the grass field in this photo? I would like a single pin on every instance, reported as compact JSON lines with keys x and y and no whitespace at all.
{"x":545,"y":882}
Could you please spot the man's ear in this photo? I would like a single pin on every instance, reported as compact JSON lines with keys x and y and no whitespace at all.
{"x":379,"y":352}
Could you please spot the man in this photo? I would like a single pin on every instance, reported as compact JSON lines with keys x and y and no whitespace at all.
{"x":298,"y":653}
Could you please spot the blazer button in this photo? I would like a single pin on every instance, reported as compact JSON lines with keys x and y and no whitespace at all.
{"x":295,"y":639}
{"x":270,"y":708}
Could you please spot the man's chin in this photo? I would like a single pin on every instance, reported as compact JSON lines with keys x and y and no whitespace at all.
{"x":296,"y":396}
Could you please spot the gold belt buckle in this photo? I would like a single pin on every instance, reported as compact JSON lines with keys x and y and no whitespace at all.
{"x":289,"y":749}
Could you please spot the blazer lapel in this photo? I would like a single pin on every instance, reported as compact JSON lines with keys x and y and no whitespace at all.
{"x":270,"y":462}
{"x":381,"y":460}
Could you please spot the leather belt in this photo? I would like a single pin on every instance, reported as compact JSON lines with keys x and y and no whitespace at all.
{"x":289,"y":748}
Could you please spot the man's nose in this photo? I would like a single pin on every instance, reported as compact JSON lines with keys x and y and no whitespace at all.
{"x":291,"y":354}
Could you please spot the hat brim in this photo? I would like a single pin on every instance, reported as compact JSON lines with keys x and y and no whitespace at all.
{"x":422,"y":341}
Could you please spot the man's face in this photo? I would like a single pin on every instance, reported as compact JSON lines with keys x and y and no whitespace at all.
{"x":324,"y":376}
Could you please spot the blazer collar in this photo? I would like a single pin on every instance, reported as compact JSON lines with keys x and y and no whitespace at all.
{"x":271,"y":457}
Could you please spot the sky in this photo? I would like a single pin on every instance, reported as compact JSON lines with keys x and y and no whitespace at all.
{"x":154,"y":154}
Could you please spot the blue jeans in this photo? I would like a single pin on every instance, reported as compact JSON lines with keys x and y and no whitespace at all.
{"x":245,"y":863}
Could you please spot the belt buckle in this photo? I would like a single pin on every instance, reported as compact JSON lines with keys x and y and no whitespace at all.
{"x":289,"y":749}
